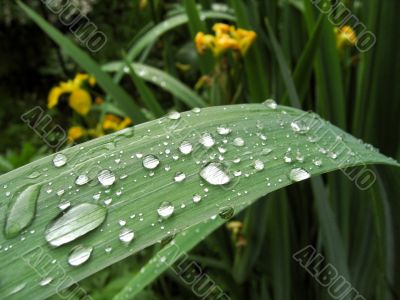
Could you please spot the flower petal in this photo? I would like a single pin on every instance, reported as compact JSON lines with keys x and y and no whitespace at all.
{"x":80,"y":101}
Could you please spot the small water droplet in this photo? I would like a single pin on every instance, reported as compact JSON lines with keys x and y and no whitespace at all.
{"x":165,"y":210}
{"x":270,"y":103}
{"x":196,"y":198}
{"x":174,"y":115}
{"x":79,"y":255}
{"x":150,"y":162}
{"x":45,"y":281}
{"x":238,"y":142}
{"x":215,"y":174}
{"x":317,"y":162}
{"x":179,"y":177}
{"x":226,"y":213}
{"x":106,"y":178}
{"x":82,"y":179}
{"x":185,"y":147}
{"x":126,"y":235}
{"x":76,"y":222}
{"x":64,"y":205}
{"x":207,"y":140}
{"x":22,"y":211}
{"x":298,"y":174}
{"x":196,"y":110}
{"x":258,"y":165}
{"x":59,"y":160}
{"x":222,"y":130}
{"x":34,"y":174}
{"x":266,"y":151}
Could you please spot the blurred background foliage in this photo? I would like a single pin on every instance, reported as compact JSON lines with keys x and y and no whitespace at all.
{"x":296,"y":59}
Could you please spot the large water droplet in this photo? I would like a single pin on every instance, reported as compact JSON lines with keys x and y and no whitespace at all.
{"x":76,"y":222}
{"x":82,"y":179}
{"x":226,"y":213}
{"x":179,"y":177}
{"x":215,"y":174}
{"x":298,"y":174}
{"x":196,"y":198}
{"x":106,"y":178}
{"x":59,"y":160}
{"x":174,"y":115}
{"x":270,"y":103}
{"x":185,"y":147}
{"x":207,"y":140}
{"x":150,"y":162}
{"x":299,"y":126}
{"x":126,"y":235}
{"x":79,"y":255}
{"x":22,"y":211}
{"x":165,"y":210}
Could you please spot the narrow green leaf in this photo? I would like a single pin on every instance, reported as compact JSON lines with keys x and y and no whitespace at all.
{"x":164,"y":81}
{"x":148,"y":97}
{"x":118,"y":181}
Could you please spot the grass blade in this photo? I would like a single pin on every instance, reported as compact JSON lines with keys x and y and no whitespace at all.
{"x":164,"y":81}
{"x":138,"y":190}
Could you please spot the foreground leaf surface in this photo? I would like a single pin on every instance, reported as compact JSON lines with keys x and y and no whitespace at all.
{"x":261,"y":149}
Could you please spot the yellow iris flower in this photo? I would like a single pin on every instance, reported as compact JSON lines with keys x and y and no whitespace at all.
{"x":226,"y":37}
{"x":345,"y":37}
{"x":79,"y":98}
{"x":114,"y":123}
{"x":75,"y":133}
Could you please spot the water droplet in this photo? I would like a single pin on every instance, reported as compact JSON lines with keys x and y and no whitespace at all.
{"x":76,"y":222}
{"x":106,"y":178}
{"x":126,"y":235}
{"x":299,"y":126}
{"x":64,"y":205}
{"x":226,"y":213}
{"x":317,"y":162}
{"x":79,"y":255}
{"x":34,"y":174}
{"x":82,"y":179}
{"x":196,"y":110}
{"x":238,"y":142}
{"x":222,"y":130}
{"x":215,"y":174}
{"x":270,"y":103}
{"x":22,"y":211}
{"x":59,"y":160}
{"x":185,"y":147}
{"x":196,"y":198}
{"x":174,"y":115}
{"x":298,"y":174}
{"x":258,"y":165}
{"x":165,"y":210}
{"x":150,"y":162}
{"x":266,"y":151}
{"x":207,"y":140}
{"x":179,"y":177}
{"x":45,"y":281}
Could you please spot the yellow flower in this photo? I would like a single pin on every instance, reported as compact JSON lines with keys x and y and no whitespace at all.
{"x":114,"y":123}
{"x":75,"y":133}
{"x":221,"y":28}
{"x":245,"y":39}
{"x":226,"y":38}
{"x":345,"y":37}
{"x":79,"y":99}
{"x":204,"y":41}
